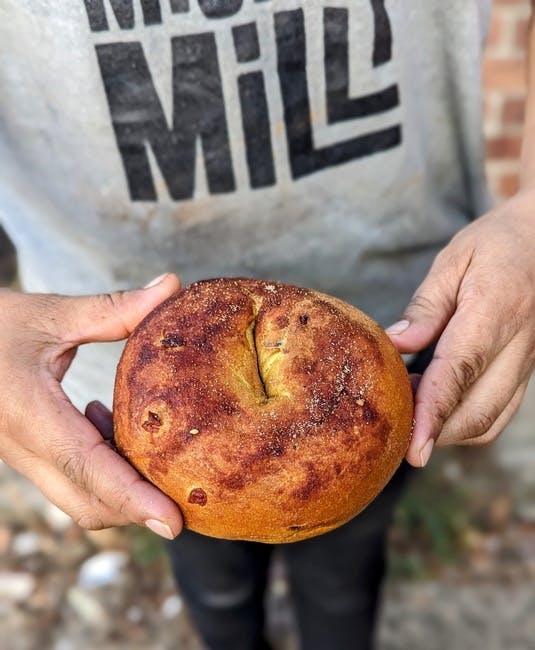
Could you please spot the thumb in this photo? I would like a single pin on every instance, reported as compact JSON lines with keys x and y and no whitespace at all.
{"x":111,"y":316}
{"x":428,"y":313}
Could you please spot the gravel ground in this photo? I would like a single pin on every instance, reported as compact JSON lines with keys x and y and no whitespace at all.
{"x":446,"y":616}
{"x":62,"y":588}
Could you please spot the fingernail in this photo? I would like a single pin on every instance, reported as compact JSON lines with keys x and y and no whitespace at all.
{"x":99,"y":406}
{"x":398,"y":328}
{"x":159,"y":528}
{"x":156,"y":281}
{"x":425,"y":453}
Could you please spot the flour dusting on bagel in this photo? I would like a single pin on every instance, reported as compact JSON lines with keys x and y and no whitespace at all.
{"x":268,"y":412}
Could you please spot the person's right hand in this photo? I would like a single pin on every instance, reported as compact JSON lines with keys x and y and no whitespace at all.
{"x":43,"y":436}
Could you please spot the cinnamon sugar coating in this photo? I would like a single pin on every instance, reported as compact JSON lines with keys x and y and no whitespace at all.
{"x":268,"y":412}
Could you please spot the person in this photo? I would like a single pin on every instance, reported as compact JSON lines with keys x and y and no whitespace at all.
{"x":335,"y":145}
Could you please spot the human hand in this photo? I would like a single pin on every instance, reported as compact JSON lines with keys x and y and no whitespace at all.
{"x":478,"y":303}
{"x":43,"y":436}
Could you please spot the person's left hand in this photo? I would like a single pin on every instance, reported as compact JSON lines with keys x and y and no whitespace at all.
{"x":478,"y":303}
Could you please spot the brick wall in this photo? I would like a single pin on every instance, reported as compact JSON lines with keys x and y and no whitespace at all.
{"x":505,"y":84}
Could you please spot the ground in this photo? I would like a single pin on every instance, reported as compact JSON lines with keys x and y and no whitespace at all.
{"x":461,"y":574}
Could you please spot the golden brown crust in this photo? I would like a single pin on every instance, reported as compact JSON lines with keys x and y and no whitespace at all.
{"x":268,"y":412}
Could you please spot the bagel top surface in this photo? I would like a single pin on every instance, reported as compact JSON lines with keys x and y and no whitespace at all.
{"x":268,"y":412}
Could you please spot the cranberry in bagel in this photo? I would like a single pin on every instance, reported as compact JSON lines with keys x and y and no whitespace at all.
{"x":268,"y":412}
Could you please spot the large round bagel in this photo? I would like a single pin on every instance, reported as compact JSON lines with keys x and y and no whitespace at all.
{"x":267,"y":411}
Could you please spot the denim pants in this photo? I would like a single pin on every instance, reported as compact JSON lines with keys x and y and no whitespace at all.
{"x":335,"y":578}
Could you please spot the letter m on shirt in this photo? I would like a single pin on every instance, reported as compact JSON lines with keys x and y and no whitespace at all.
{"x":139,"y":120}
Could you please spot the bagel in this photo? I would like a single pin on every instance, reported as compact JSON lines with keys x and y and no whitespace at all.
{"x":266,"y":411}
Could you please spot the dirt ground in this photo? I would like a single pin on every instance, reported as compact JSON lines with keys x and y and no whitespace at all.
{"x":62,"y":588}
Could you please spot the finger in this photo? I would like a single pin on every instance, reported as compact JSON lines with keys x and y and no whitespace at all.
{"x":483,"y":404}
{"x":110,"y":317}
{"x":501,"y":422}
{"x":415,"y":381}
{"x":85,"y":510}
{"x":430,"y":308}
{"x":101,"y":418}
{"x":77,"y":450}
{"x":466,"y":348}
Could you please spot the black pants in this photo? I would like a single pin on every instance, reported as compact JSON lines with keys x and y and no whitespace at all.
{"x":335,"y":579}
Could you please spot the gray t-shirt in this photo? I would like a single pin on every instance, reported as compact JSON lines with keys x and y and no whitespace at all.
{"x":333,"y":144}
